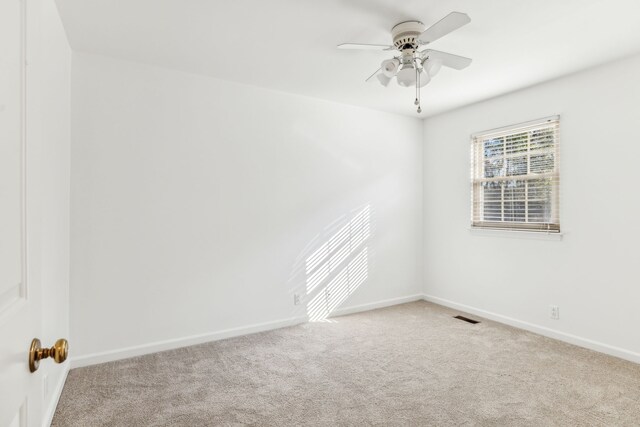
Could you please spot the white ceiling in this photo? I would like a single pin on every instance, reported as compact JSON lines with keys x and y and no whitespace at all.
{"x":289,"y":45}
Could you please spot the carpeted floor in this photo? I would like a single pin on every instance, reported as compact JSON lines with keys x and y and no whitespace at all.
{"x":412,"y":364}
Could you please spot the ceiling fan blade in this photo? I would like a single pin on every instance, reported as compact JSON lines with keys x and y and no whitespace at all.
{"x":449,"y":23}
{"x":373,"y":75}
{"x":359,"y":46}
{"x":448,"y":59}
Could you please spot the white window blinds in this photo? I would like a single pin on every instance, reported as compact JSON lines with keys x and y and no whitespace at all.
{"x":515,"y":177}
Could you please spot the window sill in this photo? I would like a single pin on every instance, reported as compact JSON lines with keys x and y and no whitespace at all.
{"x":516,"y":234}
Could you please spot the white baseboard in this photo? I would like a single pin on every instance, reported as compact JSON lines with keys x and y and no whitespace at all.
{"x":154,"y":347}
{"x":377,"y":304}
{"x":542,"y":330}
{"x":123,"y":353}
{"x":57,"y":392}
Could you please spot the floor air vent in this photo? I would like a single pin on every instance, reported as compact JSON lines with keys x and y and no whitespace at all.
{"x":466,"y":319}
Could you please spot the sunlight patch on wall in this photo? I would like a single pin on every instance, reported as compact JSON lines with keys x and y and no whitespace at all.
{"x":338,"y":266}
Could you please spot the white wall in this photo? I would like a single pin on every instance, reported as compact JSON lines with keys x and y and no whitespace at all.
{"x":195,"y":203}
{"x":591,"y":274}
{"x":53,"y":63}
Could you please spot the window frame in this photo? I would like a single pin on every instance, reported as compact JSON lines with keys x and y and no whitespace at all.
{"x":477,"y":155}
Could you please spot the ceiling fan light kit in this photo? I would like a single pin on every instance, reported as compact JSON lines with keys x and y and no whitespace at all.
{"x":384,"y":79}
{"x":406,"y":77}
{"x":389,"y":67}
{"x":413,"y":67}
{"x":424,"y":78}
{"x":432,"y":66}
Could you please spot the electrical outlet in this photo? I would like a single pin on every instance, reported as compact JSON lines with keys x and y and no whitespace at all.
{"x":296,"y":299}
{"x":554,"y":312}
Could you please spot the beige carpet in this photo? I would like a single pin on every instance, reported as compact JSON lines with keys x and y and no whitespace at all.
{"x":411,"y":364}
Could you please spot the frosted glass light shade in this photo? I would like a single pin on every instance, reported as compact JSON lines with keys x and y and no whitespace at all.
{"x":407,"y":76}
{"x":389,"y":67}
{"x":383,"y":79}
{"x":432,"y":66}
{"x":424,"y":78}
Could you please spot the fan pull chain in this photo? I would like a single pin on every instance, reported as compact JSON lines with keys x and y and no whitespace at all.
{"x":417,"y":101}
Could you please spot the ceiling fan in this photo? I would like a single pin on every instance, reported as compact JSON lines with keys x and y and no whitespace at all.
{"x":414,"y":67}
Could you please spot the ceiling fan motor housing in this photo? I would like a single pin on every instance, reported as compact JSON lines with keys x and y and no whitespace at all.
{"x":405,"y":35}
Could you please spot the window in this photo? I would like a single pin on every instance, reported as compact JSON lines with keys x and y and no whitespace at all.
{"x":514,"y":177}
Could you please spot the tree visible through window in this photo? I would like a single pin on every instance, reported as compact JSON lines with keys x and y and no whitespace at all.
{"x":514,"y":177}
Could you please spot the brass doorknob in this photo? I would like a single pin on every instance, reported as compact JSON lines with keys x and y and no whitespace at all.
{"x":58,"y":353}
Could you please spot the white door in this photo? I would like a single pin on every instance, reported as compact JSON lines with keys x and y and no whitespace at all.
{"x":20,"y":293}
